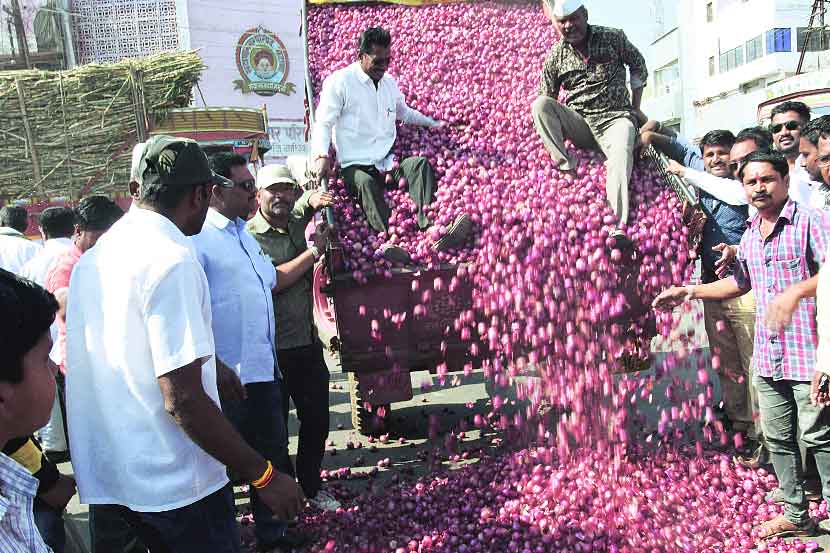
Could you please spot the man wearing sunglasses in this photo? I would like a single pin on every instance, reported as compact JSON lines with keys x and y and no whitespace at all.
{"x":240,"y":278}
{"x":358,"y":111}
{"x":788,"y":120}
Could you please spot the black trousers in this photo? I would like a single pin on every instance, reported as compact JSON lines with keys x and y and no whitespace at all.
{"x":306,"y":382}
{"x":367,"y":185}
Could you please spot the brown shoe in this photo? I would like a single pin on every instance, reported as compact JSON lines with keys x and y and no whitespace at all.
{"x":747,"y":462}
{"x":456,"y":235}
{"x":781,"y":527}
{"x":395,"y":254}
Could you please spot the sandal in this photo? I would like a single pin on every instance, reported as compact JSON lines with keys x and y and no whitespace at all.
{"x":781,"y":527}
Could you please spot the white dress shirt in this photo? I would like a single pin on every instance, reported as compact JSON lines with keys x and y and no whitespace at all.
{"x":801,"y":185}
{"x":38,"y":267}
{"x":728,"y":191}
{"x":823,"y":319}
{"x":15,"y":250}
{"x":240,"y":277}
{"x":362,"y":118}
{"x":138,"y":308}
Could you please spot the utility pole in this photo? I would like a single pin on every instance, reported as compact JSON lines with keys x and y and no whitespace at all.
{"x":22,"y":45}
{"x":818,"y":12}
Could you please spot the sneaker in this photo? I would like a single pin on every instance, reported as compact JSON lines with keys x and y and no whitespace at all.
{"x":456,"y":235}
{"x":621,"y":241}
{"x":395,"y":254}
{"x":423,"y":220}
{"x":324,"y":501}
{"x":774,"y":496}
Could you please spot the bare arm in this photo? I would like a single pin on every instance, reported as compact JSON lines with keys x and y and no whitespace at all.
{"x":637,"y":97}
{"x":202,"y":420}
{"x":192,"y":409}
{"x":291,"y":271}
{"x":721,"y":290}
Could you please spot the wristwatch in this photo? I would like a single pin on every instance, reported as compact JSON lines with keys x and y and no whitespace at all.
{"x":315,"y":252}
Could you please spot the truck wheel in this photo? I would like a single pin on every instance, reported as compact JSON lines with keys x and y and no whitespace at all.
{"x":323,"y":308}
{"x":365,"y":422}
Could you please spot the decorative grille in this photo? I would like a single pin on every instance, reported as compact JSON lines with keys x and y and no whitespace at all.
{"x":111,"y":30}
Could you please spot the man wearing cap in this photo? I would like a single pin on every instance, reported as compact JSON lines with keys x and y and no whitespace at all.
{"x":156,"y":445}
{"x":359,"y":107}
{"x":589,"y":63}
{"x":240,"y":277}
{"x":279,"y":227}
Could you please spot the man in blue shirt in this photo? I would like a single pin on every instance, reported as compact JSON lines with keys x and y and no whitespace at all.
{"x":240,"y":277}
{"x":672,"y":144}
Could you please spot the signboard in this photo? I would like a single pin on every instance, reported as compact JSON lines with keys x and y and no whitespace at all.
{"x":262,"y":60}
{"x":254,"y":58}
{"x":287,"y":139}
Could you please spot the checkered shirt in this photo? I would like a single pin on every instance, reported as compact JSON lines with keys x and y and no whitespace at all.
{"x":791,"y":254}
{"x":18,"y":533}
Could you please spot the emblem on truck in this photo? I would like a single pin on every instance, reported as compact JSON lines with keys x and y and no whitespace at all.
{"x":262,"y":60}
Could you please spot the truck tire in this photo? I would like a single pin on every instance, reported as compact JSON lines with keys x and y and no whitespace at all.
{"x":365,"y":422}
{"x":324,"y":319}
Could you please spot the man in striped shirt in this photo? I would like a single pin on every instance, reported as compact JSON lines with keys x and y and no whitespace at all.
{"x":779,"y":257}
{"x":27,"y":390}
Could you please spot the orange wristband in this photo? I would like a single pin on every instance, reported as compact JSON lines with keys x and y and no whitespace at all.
{"x":266,"y":477}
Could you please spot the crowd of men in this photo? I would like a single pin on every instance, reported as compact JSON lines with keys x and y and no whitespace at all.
{"x":196,"y":318}
{"x":180,"y":330}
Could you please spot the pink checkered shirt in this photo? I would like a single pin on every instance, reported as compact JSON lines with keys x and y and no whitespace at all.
{"x":790,"y":254}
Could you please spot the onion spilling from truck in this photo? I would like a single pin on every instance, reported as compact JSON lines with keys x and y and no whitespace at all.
{"x":539,"y":290}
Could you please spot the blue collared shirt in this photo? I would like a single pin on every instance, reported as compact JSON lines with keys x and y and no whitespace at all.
{"x":685,"y":153}
{"x":240,"y":277}
{"x":18,"y":533}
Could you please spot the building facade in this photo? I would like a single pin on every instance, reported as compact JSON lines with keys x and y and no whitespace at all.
{"x":714,"y":61}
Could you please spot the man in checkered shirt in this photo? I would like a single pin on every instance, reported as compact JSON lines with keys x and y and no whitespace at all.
{"x":780,"y":253}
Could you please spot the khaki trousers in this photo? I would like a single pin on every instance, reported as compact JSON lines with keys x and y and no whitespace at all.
{"x":555,"y":122}
{"x":733,"y":345}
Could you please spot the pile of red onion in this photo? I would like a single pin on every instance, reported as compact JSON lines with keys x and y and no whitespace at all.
{"x":549,"y":294}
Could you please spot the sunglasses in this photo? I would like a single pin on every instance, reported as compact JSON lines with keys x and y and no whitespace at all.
{"x":737,"y":165}
{"x":248,"y":185}
{"x":789,"y":125}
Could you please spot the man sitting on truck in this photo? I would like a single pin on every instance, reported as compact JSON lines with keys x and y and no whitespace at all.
{"x":360,"y":104}
{"x":589,"y":63}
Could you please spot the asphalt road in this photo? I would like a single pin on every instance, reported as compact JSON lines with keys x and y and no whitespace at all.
{"x":449,"y":404}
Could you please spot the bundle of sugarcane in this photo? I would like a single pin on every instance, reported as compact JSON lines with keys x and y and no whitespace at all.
{"x":65,"y":133}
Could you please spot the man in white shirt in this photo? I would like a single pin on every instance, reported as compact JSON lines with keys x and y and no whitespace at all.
{"x":57,"y":225}
{"x":241,"y":277}
{"x":788,"y":118}
{"x":15,"y":249}
{"x":360,"y":105}
{"x":145,"y":427}
{"x":814,"y":136}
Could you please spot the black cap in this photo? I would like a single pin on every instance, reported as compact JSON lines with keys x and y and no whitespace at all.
{"x":178,"y":162}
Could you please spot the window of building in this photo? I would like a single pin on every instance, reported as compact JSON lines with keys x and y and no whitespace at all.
{"x":666,"y":75}
{"x":754,"y":49}
{"x":817,"y":42}
{"x":710,"y":12}
{"x":778,"y":40}
{"x":711,"y":65}
{"x":731,"y":59}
